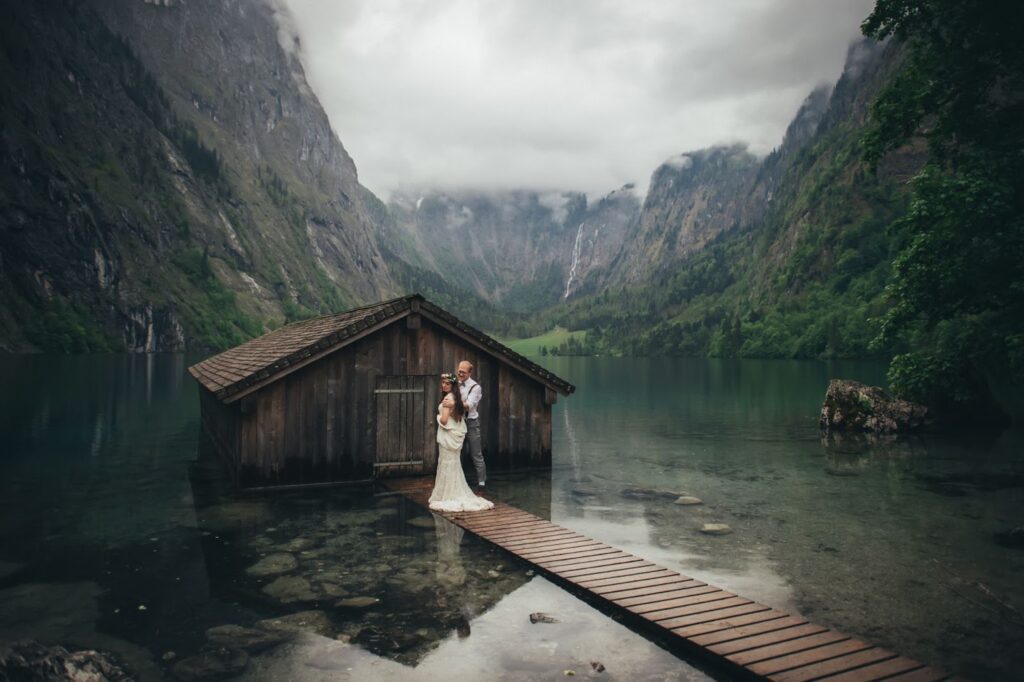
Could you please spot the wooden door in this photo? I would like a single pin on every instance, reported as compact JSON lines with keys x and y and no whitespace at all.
{"x":405,"y":409}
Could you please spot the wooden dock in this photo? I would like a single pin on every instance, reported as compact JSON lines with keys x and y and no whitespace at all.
{"x":745,"y":638}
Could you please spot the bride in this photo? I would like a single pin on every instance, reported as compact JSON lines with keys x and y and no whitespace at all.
{"x":451,"y":492}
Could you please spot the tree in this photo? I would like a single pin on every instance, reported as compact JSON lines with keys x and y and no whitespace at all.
{"x":958,"y":281}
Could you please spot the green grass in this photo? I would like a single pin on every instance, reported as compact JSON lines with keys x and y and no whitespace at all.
{"x":551,"y":339}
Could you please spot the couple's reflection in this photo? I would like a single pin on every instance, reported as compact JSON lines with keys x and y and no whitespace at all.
{"x":451,"y":573}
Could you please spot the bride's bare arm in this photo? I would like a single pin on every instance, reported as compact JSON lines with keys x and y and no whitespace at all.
{"x":446,"y":409}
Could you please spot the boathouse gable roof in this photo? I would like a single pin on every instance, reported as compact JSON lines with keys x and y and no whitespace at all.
{"x":232,"y":374}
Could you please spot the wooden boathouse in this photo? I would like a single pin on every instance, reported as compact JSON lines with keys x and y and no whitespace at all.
{"x":353,"y":396}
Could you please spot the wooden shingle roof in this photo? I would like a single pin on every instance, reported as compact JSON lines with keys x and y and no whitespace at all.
{"x":260,"y":361}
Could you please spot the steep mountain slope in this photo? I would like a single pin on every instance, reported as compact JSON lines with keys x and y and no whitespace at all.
{"x":785,"y":258}
{"x":520,"y":250}
{"x":176,"y":188}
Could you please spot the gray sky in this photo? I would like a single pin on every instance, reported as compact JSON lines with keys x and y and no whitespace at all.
{"x":561,"y":94}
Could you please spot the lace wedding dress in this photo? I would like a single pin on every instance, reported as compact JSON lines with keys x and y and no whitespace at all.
{"x":451,"y":492}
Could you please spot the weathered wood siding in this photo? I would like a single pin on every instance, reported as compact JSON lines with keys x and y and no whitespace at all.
{"x":320,"y":422}
{"x":222,"y":424}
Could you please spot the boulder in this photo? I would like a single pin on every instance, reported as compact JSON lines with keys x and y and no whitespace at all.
{"x":688,"y":500}
{"x":853,"y":406}
{"x":357,"y":603}
{"x":715,"y":529}
{"x":273,"y":564}
{"x":246,"y":639}
{"x":288,"y":589}
{"x":308,"y":621}
{"x":30,"y":660}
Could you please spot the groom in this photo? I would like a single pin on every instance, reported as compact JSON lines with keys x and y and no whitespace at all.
{"x":472,"y":392}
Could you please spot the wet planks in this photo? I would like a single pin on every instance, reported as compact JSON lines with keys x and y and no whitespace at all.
{"x":744,"y":635}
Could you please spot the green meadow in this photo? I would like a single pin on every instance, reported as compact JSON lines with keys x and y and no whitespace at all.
{"x":551,"y":340}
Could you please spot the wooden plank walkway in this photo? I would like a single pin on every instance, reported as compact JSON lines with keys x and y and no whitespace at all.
{"x":743,"y":636}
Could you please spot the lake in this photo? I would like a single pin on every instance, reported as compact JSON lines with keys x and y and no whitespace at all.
{"x":111,"y":536}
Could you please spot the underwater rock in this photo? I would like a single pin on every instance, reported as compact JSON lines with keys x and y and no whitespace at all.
{"x":273,"y":564}
{"x":637,"y":493}
{"x":357,"y":603}
{"x":333,"y":590}
{"x":422,"y":522}
{"x":540,"y":617}
{"x":289,"y":589}
{"x":8,"y":569}
{"x":1011,"y":538}
{"x":211,"y":665}
{"x":231,"y":515}
{"x":297,"y":545}
{"x":304,"y":621}
{"x":715,"y":529}
{"x":687,"y":500}
{"x":30,"y":660}
{"x":247,"y":639}
{"x":853,"y":406}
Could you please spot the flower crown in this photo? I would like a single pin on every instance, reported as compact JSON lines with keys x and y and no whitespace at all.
{"x":450,"y":377}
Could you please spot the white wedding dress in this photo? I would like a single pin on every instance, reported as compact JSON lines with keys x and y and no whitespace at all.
{"x":451,"y":492}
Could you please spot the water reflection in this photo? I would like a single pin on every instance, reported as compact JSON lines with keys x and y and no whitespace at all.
{"x":112,"y":537}
{"x":385,"y":574}
{"x":892,"y":540}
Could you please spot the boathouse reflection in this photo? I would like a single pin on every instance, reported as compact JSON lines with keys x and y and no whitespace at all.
{"x":385,"y":574}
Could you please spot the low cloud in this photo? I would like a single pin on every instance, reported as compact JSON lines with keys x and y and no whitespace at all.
{"x":561,"y":94}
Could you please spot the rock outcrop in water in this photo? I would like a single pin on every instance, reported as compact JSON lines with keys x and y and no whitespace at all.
{"x":853,"y":406}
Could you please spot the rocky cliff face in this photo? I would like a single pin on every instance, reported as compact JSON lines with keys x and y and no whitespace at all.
{"x":169,"y":180}
{"x":693,"y":197}
{"x":520,"y":249}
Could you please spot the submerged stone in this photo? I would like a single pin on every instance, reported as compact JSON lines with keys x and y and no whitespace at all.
{"x":1011,"y":538}
{"x":716,"y":529}
{"x":273,"y":564}
{"x":541,"y":617}
{"x":581,"y":491}
{"x":687,"y":500}
{"x":246,"y":639}
{"x":422,"y":522}
{"x":637,"y":493}
{"x":289,"y":589}
{"x":357,"y":603}
{"x":297,"y":545}
{"x":303,"y":621}
{"x":211,"y":665}
{"x":8,"y":569}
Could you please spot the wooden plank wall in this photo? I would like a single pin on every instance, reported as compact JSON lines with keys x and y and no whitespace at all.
{"x":319,"y":423}
{"x":222,"y":424}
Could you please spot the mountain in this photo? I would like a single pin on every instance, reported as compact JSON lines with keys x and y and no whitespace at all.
{"x":786,"y":256}
{"x":520,"y":250}
{"x":169,"y":180}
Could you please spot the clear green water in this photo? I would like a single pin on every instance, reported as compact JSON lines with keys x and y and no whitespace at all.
{"x":103,"y":511}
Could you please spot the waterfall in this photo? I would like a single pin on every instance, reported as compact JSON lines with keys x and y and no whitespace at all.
{"x":575,"y":259}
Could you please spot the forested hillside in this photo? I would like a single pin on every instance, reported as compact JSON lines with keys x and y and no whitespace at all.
{"x":791,"y":261}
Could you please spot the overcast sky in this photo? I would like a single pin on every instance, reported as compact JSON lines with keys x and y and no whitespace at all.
{"x":561,"y":94}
